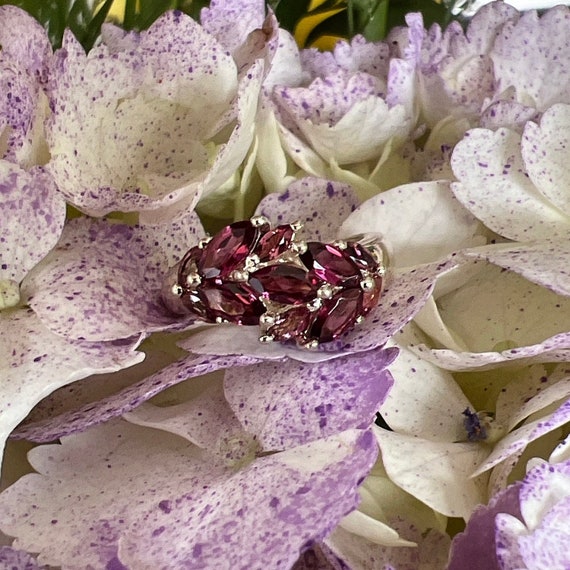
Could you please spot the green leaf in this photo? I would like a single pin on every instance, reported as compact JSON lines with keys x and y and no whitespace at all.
{"x":289,"y":12}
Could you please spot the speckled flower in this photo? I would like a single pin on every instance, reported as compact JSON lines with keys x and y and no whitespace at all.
{"x":524,"y":527}
{"x":432,"y":414}
{"x":275,"y":449}
{"x":151,"y":122}
{"x":24,"y":60}
{"x":341,"y":118}
{"x":517,"y":184}
{"x":34,"y":361}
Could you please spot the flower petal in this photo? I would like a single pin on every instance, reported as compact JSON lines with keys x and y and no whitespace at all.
{"x":518,"y":439}
{"x":425,"y":401}
{"x":103,"y":281}
{"x":32,"y":214}
{"x":531,"y":54}
{"x":436,"y":226}
{"x":430,"y":554}
{"x":493,"y":185}
{"x":187,"y":509}
{"x":127,"y":399}
{"x":292,"y":403}
{"x":543,"y":262}
{"x":545,"y":150}
{"x":436,"y":473}
{"x":321,"y":205}
{"x":475,"y":546}
{"x":34,"y":362}
{"x":18,"y":560}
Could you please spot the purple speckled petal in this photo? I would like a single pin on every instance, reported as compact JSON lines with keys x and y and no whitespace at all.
{"x":507,"y":113}
{"x":543,"y":262}
{"x":187,"y":509}
{"x":533,"y":55}
{"x":436,"y":473}
{"x":318,"y":557}
{"x":405,"y":293}
{"x":127,"y":399}
{"x":34,"y":362}
{"x":32,"y":214}
{"x":437,"y":225}
{"x":231,"y":21}
{"x":229,"y":155}
{"x":545,"y":149}
{"x":12,"y":559}
{"x":286,"y":501}
{"x":206,"y":420}
{"x":103,"y":280}
{"x":475,"y":546}
{"x":541,"y":540}
{"x":531,"y":390}
{"x":24,"y":40}
{"x":24,"y":59}
{"x":321,"y":205}
{"x":494,"y":186}
{"x":291,"y":403}
{"x":137,"y":140}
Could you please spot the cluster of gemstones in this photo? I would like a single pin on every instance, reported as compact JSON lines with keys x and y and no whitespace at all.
{"x":306,"y":292}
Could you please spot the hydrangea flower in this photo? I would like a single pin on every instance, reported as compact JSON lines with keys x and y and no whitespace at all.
{"x":316,"y":119}
{"x":525,"y":526}
{"x":515,"y":183}
{"x":24,"y":62}
{"x":207,"y":461}
{"x":144,"y":131}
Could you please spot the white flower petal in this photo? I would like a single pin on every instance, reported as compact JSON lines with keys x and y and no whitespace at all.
{"x":436,"y":226}
{"x":34,"y":362}
{"x":436,"y":473}
{"x":494,"y":186}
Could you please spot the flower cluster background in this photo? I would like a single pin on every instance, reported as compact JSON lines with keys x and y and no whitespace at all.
{"x":434,"y":435}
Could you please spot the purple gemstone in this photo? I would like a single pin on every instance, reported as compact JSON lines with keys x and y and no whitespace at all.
{"x":371,"y":298}
{"x":286,"y":284}
{"x":337,"y":315}
{"x":292,"y":324}
{"x":361,"y":257}
{"x":234,"y":302}
{"x":227,"y":250}
{"x":274,"y":243}
{"x":329,"y":263}
{"x":192,"y":302}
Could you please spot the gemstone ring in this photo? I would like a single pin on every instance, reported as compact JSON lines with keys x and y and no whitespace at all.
{"x":250,"y":273}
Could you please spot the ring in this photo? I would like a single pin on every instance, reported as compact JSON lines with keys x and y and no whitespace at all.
{"x":304,"y":292}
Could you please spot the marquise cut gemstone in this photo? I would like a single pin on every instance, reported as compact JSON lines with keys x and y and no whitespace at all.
{"x":328,"y":263}
{"x":291,"y":324}
{"x":274,"y":243}
{"x":233,"y":302}
{"x":227,"y":250}
{"x":371,"y":298}
{"x":361,"y":257}
{"x":285,"y":284}
{"x":337,"y":315}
